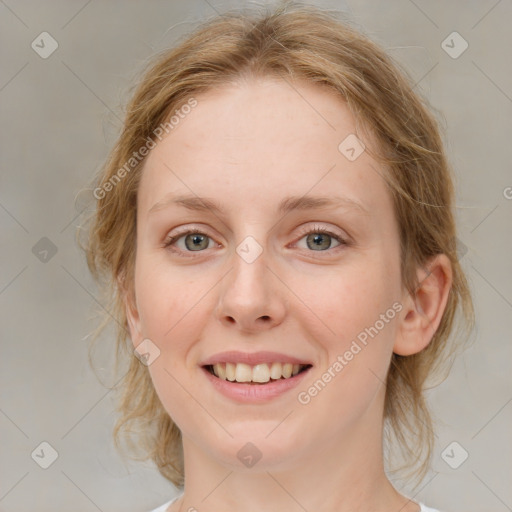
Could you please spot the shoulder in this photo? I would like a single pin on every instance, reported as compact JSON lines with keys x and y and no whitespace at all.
{"x":423,"y":508}
{"x":163,"y":508}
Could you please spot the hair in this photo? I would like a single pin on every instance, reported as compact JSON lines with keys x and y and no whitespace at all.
{"x":292,"y":42}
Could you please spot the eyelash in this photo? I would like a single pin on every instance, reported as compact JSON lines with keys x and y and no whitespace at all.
{"x":306,"y":231}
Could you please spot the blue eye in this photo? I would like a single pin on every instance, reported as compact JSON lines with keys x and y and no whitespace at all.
{"x":194,"y":240}
{"x":318,"y":239}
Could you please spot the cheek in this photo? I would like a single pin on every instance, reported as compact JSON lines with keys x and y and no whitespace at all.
{"x":348,"y":300}
{"x":166,"y":298}
{"x":352,"y":374}
{"x":169,"y":305}
{"x":354,"y":319}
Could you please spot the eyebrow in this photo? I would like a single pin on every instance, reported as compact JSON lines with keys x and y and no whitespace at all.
{"x":196,"y":203}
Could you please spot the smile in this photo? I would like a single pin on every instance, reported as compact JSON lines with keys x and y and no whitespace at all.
{"x":255,"y":374}
{"x":249,"y":391}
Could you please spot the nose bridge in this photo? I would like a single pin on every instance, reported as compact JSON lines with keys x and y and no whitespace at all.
{"x":249,"y":282}
{"x":250,"y":297}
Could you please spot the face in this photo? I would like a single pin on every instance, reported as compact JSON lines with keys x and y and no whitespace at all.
{"x":317,"y":282}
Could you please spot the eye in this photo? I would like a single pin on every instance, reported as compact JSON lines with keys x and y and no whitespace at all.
{"x":194,"y":240}
{"x":319,"y":239}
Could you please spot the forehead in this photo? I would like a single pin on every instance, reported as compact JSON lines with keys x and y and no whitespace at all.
{"x":258,"y":141}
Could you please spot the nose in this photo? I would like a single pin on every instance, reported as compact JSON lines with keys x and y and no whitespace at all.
{"x":252,"y":296}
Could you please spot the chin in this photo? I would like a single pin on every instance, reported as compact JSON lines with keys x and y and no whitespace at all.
{"x":260,"y":452}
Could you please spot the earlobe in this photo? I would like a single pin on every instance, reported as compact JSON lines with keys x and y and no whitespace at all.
{"x":132,"y":318}
{"x":132,"y":315}
{"x":422,"y":313}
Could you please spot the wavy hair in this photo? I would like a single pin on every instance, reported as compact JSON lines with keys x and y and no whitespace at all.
{"x":293,"y":42}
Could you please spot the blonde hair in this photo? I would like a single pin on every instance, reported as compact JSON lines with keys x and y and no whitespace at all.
{"x":292,"y":42}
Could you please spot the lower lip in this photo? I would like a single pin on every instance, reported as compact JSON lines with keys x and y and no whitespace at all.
{"x":254,"y":393}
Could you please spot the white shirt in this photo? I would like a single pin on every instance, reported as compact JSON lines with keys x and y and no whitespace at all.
{"x":163,"y":508}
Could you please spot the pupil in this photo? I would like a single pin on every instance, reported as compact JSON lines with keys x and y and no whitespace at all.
{"x":318,"y":239}
{"x":196,"y":242}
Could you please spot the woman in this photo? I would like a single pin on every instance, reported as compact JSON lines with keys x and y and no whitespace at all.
{"x":275,"y":231}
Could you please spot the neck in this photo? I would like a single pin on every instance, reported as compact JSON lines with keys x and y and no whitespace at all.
{"x":342,"y":474}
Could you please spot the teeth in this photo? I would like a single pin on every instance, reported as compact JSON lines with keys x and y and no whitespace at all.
{"x":221,"y":371}
{"x":287,"y":370}
{"x":230,"y":371}
{"x":262,"y":373}
{"x":276,"y":370}
{"x":243,"y":373}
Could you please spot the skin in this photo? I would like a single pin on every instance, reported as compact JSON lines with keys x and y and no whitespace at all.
{"x":249,"y":145}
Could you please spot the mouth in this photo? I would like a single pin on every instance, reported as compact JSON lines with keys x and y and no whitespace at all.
{"x":258,"y":374}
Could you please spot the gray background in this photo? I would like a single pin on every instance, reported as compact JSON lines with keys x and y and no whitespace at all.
{"x":59,"y":119}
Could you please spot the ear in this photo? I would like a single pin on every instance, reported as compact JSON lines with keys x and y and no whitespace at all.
{"x":132,"y":314}
{"x":422,"y":313}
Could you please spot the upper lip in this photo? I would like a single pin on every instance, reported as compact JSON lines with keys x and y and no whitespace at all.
{"x":252,"y":359}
